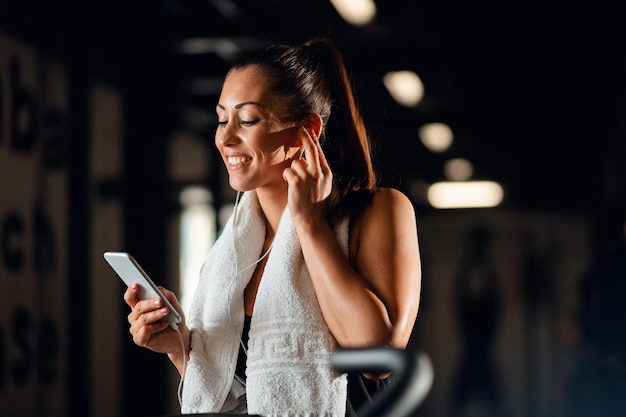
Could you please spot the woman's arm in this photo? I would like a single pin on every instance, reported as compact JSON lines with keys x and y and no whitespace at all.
{"x":374,"y":299}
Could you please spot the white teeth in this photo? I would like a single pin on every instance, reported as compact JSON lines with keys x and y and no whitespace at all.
{"x":236,"y":160}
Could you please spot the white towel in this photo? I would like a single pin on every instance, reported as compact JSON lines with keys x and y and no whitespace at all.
{"x":289,"y":371}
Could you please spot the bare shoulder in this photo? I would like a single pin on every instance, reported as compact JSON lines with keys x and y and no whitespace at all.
{"x":389,"y":203}
{"x":389,"y":218}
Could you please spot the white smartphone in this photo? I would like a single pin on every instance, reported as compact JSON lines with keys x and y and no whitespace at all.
{"x":131,"y":272}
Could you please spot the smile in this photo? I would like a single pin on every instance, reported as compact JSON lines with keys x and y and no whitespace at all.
{"x":238,"y":160}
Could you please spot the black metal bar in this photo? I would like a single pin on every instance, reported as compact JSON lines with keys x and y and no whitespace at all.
{"x":412,"y":377}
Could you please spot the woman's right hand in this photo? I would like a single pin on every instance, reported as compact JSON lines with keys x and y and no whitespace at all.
{"x":147,"y":329}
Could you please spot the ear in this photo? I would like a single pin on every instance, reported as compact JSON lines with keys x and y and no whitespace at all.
{"x":313,"y":123}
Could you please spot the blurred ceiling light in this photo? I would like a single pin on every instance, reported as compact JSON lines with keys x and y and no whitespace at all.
{"x":458,"y":169}
{"x":405,"y":87}
{"x":465,"y":194}
{"x":355,"y":12}
{"x":437,"y":137}
{"x":223,"y":47}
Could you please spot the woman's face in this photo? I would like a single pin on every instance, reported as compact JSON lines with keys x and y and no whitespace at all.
{"x":253,"y":137}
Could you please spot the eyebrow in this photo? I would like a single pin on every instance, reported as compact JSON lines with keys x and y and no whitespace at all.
{"x":240,"y":105}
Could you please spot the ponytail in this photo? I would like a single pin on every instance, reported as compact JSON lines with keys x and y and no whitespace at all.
{"x":346,"y":144}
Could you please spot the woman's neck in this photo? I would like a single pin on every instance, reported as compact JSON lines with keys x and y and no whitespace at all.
{"x":272,"y":205}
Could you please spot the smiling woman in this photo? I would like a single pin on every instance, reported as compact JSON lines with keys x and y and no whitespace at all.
{"x":314,"y":257}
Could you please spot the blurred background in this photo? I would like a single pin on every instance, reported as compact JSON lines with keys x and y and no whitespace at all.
{"x":512,"y":147}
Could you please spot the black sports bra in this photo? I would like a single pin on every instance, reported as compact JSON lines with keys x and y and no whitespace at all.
{"x":240,"y":369}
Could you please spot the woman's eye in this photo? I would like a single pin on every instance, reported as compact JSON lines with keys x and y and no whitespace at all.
{"x":249,"y":122}
{"x":222,"y":123}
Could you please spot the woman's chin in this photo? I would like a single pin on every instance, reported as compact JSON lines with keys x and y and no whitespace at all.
{"x":236,"y":186}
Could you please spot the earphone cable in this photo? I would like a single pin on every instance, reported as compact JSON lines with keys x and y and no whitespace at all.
{"x":184,"y":368}
{"x":238,"y":271}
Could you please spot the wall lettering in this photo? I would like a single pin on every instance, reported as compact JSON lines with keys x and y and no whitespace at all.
{"x":36,"y":351}
{"x":11,"y":241}
{"x":23,"y":113}
{"x":33,"y":231}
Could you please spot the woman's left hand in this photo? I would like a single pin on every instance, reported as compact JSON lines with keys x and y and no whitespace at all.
{"x":310,"y":181}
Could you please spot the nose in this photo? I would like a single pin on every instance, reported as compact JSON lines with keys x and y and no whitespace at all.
{"x":225,"y":136}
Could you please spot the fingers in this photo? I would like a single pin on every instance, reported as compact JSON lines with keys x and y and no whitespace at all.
{"x":311,"y":148}
{"x":148,"y":311}
{"x":147,"y":327}
{"x":289,"y":174}
{"x":309,"y":157}
{"x":142,"y":335}
{"x":314,"y":165}
{"x":131,"y":295}
{"x":171,"y":297}
{"x":314,"y":153}
{"x":138,"y":306}
{"x":144,"y":312}
{"x":145,"y":320}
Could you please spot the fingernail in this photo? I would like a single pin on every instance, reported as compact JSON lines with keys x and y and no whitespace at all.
{"x":157,"y":302}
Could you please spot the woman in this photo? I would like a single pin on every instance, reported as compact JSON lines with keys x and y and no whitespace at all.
{"x":315,"y":256}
